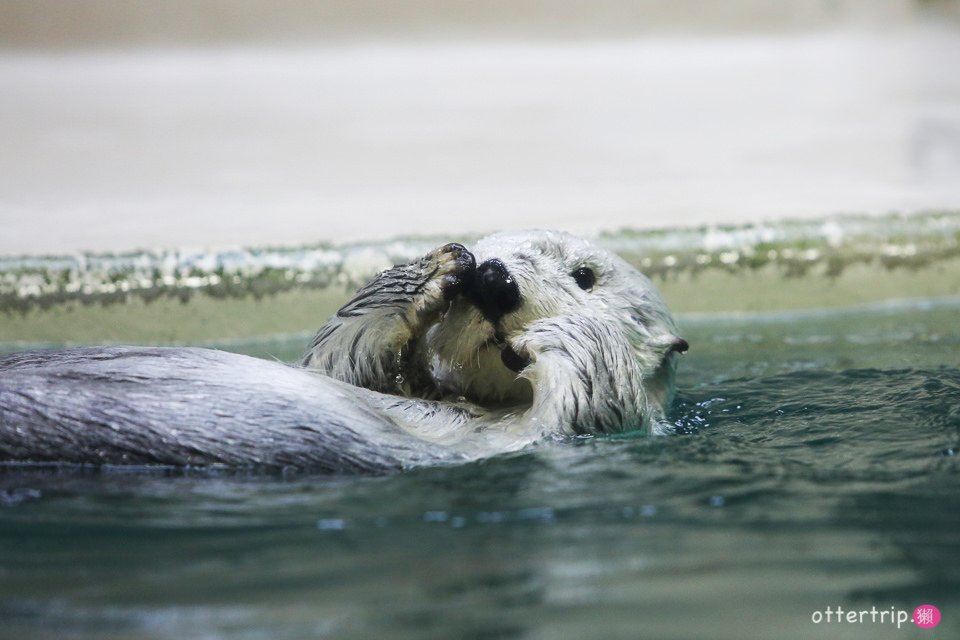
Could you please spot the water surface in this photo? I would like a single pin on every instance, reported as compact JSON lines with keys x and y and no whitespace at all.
{"x":815,"y":464}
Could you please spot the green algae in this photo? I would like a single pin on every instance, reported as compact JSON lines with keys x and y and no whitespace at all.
{"x":182,"y":296}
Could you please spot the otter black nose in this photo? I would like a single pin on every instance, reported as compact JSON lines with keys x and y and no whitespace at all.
{"x":495,"y":291}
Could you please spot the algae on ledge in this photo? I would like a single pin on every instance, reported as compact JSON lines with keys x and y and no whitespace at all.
{"x":190,"y":296}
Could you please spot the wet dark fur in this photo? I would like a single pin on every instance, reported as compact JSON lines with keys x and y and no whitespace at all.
{"x":184,"y":406}
{"x":188,"y":406}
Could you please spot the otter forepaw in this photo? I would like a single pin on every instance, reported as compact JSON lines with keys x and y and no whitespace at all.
{"x":455,"y":268}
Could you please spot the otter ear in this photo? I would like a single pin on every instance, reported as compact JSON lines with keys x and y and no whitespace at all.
{"x":680,"y":345}
{"x":670,"y":343}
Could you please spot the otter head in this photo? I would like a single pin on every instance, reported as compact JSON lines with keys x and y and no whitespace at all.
{"x":554,"y":322}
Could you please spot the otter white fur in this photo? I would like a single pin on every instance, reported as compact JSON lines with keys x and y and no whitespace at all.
{"x":453,"y":357}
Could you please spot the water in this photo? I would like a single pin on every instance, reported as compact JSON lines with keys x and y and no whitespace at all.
{"x":815,"y":465}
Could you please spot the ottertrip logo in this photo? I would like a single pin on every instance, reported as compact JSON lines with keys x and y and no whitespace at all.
{"x":926,"y":616}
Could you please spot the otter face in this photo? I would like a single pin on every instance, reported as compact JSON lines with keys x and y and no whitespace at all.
{"x":555,"y":321}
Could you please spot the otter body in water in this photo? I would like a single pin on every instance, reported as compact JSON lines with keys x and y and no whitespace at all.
{"x":456,"y":356}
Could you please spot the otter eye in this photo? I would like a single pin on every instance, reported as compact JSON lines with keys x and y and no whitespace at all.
{"x":585,"y":278}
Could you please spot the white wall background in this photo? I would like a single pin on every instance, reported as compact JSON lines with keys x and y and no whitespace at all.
{"x":138,"y":125}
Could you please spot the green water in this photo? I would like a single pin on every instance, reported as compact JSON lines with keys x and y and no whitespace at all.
{"x":816,"y":464}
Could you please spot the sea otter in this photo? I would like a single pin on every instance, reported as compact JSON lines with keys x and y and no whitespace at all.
{"x":456,"y":356}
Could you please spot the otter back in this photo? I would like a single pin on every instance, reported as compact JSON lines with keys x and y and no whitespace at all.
{"x":188,"y":406}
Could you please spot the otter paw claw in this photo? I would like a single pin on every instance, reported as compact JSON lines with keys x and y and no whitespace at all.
{"x":457,"y":264}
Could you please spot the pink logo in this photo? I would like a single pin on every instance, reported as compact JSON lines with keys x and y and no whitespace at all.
{"x":926,"y":616}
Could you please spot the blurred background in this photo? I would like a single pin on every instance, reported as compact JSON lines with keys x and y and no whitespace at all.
{"x":144,"y":124}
